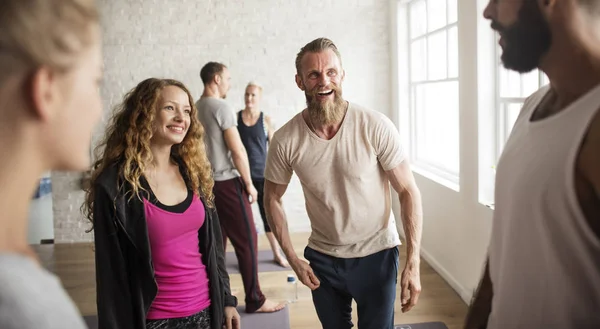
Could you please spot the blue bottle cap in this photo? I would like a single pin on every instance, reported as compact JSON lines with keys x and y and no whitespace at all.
{"x":291,"y":278}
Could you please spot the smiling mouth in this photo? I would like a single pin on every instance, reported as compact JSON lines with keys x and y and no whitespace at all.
{"x":176,"y":128}
{"x":325,"y":93}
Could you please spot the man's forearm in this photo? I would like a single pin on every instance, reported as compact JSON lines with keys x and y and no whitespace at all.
{"x":278,"y":223}
{"x":240,"y":160}
{"x":412,"y":222}
{"x":481,"y":306}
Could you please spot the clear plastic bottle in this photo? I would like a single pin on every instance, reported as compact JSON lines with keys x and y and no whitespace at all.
{"x":292,"y":289}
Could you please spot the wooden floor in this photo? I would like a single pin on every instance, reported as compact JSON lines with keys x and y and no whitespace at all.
{"x":74,"y":265}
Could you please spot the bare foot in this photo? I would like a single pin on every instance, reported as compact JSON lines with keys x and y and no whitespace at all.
{"x":270,"y":307}
{"x":281,"y":261}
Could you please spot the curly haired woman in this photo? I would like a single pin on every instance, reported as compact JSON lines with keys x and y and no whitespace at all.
{"x":159,"y":255}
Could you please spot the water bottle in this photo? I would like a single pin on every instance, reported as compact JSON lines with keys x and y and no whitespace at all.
{"x":293,"y":289}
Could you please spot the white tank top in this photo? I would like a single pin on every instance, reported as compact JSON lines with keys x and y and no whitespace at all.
{"x":544,"y":257}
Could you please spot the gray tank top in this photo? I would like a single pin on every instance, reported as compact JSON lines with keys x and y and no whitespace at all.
{"x":544,"y":257}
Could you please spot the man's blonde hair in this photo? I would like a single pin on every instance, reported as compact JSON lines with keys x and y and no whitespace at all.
{"x":316,"y":46}
{"x":36,"y":33}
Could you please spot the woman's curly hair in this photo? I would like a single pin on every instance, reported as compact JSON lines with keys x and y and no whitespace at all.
{"x":127,"y":144}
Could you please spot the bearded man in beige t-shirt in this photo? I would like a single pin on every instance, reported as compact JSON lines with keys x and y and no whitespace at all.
{"x":345,"y":156}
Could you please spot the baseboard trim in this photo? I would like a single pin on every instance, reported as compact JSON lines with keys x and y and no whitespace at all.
{"x":464,"y":294}
{"x":460,"y":290}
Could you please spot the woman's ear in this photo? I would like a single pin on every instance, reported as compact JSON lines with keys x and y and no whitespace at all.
{"x":43,"y":91}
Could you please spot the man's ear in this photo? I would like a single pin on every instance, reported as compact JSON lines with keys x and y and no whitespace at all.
{"x":299,"y":82}
{"x":218,"y":79}
{"x":43,"y":91}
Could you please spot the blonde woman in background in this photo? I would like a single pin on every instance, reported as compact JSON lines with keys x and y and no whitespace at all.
{"x":256,"y":130}
{"x":50,"y":68}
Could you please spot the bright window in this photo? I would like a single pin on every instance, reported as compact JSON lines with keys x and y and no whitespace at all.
{"x":433,"y":83}
{"x":513,"y":89}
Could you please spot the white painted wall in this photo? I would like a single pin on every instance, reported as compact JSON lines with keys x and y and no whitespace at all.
{"x":257,"y":40}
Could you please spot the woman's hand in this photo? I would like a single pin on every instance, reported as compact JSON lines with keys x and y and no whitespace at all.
{"x":232,"y":318}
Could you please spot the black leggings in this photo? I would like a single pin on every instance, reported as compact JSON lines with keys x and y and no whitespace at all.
{"x":199,"y":320}
{"x":259,"y":184}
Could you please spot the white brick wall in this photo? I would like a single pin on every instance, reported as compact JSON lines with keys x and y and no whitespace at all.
{"x":257,"y":40}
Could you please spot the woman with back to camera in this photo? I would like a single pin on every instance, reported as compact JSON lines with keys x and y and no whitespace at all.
{"x":50,"y":70}
{"x":159,"y":255}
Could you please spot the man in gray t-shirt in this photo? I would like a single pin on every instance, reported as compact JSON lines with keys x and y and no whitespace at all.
{"x":233,"y":188}
{"x":217,"y":117}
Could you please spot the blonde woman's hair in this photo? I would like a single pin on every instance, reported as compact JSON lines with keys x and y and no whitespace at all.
{"x":255,"y":84}
{"x":36,"y":33}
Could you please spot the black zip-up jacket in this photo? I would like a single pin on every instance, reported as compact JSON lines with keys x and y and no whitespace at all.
{"x":125,"y":284}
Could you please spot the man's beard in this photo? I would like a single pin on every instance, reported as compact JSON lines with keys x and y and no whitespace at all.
{"x":328,"y":112}
{"x":527,"y":40}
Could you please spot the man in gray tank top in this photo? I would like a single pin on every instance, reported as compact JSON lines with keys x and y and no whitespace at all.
{"x":543,"y":266}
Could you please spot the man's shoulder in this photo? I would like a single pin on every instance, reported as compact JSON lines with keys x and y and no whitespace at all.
{"x":594,"y":128}
{"x":370,"y":119}
{"x":214,"y":104}
{"x":589,"y":157}
{"x":365,"y":113}
{"x":534,"y":99}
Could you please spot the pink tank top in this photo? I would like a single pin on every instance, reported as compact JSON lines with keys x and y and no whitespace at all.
{"x":181,"y":276}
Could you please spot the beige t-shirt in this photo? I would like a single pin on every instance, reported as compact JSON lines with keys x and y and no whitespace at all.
{"x":347,"y":192}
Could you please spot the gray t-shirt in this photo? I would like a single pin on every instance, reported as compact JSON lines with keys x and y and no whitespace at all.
{"x":33,"y":298}
{"x":217,"y":116}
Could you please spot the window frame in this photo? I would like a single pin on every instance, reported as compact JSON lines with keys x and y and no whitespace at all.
{"x":426,"y":168}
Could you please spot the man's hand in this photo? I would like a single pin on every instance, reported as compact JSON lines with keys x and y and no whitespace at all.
{"x":410,"y":287}
{"x":252,"y":193}
{"x":305,"y":274}
{"x":232,"y":318}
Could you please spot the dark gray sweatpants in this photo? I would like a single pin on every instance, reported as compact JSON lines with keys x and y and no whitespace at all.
{"x":370,"y":281}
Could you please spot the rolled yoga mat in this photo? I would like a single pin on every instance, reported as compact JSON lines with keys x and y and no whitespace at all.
{"x":276,"y":320}
{"x":266,"y":263}
{"x":424,"y":325}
